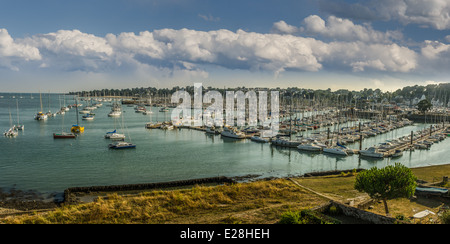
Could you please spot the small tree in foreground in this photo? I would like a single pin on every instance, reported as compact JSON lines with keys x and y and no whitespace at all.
{"x":387,"y":183}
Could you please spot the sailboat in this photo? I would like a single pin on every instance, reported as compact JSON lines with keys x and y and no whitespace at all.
{"x":18,"y":126}
{"x":40,"y":115}
{"x":149,"y":111}
{"x":76,"y":128}
{"x":121,"y":144}
{"x":11,"y":132}
{"x":115,"y":110}
{"x":165,"y":108}
{"x":337,"y":149}
{"x":113,"y":135}
{"x":64,"y":135}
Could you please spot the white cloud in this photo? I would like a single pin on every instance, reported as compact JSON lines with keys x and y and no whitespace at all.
{"x":436,"y":56}
{"x":72,"y":42}
{"x":345,"y":30}
{"x":71,"y":50}
{"x":433,"y":13}
{"x":435,"y":50}
{"x":426,"y":13}
{"x":12,"y":52}
{"x":281,"y":27}
{"x":190,"y":53}
{"x":362,"y":56}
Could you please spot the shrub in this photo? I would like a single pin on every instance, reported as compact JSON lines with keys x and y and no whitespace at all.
{"x":306,"y":217}
{"x":291,"y":217}
{"x":445,"y":217}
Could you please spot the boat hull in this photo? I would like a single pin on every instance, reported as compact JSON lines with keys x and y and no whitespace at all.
{"x":230,"y":135}
{"x":335,"y":151}
{"x":64,"y":136}
{"x":114,"y":146}
{"x":310,"y":149}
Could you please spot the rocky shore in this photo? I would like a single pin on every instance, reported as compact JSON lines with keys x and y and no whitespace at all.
{"x":13,"y":201}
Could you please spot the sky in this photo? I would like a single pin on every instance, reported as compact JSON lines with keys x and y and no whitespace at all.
{"x":62,"y":46}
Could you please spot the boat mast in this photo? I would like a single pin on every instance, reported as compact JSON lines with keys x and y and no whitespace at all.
{"x":40,"y":98}
{"x":76,"y":107}
{"x":17,"y":101}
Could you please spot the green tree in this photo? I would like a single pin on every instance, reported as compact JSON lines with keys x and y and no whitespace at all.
{"x":390,"y":182}
{"x":424,"y":105}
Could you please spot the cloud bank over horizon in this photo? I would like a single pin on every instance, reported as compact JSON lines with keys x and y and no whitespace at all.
{"x":353,"y":48}
{"x":344,"y":42}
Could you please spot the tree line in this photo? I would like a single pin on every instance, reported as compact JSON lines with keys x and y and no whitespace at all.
{"x":360,"y":98}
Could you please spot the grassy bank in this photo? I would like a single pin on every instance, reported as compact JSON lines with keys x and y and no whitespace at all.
{"x":256,"y":202}
{"x":261,"y":202}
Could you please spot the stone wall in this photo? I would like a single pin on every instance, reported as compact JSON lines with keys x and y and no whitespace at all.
{"x":146,"y":186}
{"x":359,"y":213}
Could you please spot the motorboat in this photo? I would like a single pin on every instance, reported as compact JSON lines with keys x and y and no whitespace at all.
{"x":372,"y":152}
{"x":164,"y":109}
{"x":85,"y":111}
{"x":259,"y":139}
{"x":167,"y":127}
{"x":420,"y":146}
{"x":140,"y":109}
{"x":286,"y":143}
{"x":64,"y":135}
{"x":335,"y":150}
{"x":397,"y":153}
{"x":147,"y":112}
{"x":309,"y":147}
{"x":122,"y":145}
{"x":88,"y":117}
{"x":152,"y":125}
{"x":114,"y":114}
{"x":232,"y":133}
{"x":212,"y":130}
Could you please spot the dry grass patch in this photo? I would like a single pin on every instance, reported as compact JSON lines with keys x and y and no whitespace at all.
{"x":255,"y":202}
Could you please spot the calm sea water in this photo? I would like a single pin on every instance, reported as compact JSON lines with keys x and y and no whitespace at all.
{"x":35,"y":161}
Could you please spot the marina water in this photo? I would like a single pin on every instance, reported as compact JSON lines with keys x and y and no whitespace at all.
{"x":35,"y":161}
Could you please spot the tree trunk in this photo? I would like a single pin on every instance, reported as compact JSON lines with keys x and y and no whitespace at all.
{"x":386,"y":207}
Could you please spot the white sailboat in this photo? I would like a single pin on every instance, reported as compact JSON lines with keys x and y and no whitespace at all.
{"x":113,"y":135}
{"x":116,"y":110}
{"x":40,"y":115}
{"x":122,"y":144}
{"x":11,"y":132}
{"x":18,"y":126}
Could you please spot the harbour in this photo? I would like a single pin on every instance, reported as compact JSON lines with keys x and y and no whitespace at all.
{"x":34,"y":160}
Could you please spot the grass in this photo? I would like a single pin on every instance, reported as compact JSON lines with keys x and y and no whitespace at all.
{"x":256,"y":202}
{"x":432,"y":173}
{"x":261,"y":202}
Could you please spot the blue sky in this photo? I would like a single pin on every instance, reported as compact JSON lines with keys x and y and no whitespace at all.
{"x":81,"y":45}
